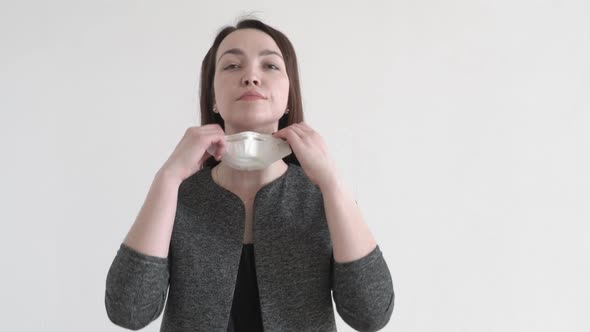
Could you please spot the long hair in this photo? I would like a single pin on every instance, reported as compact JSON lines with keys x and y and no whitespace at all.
{"x":294,"y":103}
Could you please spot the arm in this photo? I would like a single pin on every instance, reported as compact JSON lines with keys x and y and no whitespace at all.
{"x":361,"y":282}
{"x":138,"y":278}
{"x":351,"y":237}
{"x":136,"y":288}
{"x":152,"y":230}
{"x":362,"y":285}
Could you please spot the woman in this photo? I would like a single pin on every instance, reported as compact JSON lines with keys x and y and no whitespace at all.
{"x":195,"y":234}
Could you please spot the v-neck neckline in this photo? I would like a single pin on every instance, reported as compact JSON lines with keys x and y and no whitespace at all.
{"x":209,"y":177}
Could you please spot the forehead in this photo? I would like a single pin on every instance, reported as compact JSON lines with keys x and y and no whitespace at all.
{"x":251,"y":41}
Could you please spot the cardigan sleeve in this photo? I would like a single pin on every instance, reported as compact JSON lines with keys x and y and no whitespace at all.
{"x":363,"y":291}
{"x":136,"y":288}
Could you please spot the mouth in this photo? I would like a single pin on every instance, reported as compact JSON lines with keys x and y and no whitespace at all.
{"x":251,"y":98}
{"x":251,"y":95}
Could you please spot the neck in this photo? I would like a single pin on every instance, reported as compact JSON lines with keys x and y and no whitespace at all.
{"x":244,"y":181}
{"x":268,"y":129}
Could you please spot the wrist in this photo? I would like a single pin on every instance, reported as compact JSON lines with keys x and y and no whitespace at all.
{"x":167,"y":175}
{"x":330,"y":182}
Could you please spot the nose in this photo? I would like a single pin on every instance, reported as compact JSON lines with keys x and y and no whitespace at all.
{"x":248,"y":81}
{"x":251,"y":78}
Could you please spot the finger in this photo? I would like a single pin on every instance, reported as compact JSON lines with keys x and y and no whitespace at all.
{"x":306,"y":127}
{"x":222,"y":147}
{"x":281,"y":133}
{"x":282,"y":130}
{"x":219,"y":141}
{"x":300,"y":132}
{"x":292,"y":137}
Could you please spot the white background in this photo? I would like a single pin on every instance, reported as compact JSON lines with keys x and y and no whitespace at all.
{"x":461,"y":126}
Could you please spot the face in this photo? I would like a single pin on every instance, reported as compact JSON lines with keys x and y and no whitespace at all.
{"x":251,"y":86}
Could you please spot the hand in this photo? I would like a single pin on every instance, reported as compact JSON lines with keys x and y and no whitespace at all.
{"x":191,"y":151}
{"x":311,"y":151}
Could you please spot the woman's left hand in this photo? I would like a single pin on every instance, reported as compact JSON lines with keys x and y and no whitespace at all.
{"x":311,"y":151}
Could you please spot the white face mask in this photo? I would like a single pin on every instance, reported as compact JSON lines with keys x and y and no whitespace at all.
{"x":249,"y":151}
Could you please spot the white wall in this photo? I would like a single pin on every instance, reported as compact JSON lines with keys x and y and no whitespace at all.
{"x":462,"y":127}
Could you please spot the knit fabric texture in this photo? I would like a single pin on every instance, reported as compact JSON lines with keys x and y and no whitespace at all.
{"x":296,"y":272}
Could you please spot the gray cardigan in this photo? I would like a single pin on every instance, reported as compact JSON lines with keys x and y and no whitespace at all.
{"x":296,"y":272}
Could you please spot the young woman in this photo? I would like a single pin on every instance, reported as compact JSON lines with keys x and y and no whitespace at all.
{"x":191,"y":248}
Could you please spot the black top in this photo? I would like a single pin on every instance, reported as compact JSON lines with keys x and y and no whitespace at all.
{"x":245,"y":311}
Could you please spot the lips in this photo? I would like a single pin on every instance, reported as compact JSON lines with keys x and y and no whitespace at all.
{"x":251,"y":95}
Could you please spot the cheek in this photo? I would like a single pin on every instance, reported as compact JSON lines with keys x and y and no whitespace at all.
{"x":283,"y":89}
{"x":215,"y":83}
{"x":218,"y":91}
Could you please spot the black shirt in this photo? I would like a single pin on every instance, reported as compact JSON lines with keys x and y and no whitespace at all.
{"x":245,"y":311}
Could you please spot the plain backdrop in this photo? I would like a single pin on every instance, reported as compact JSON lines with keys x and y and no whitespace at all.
{"x":462,"y":128}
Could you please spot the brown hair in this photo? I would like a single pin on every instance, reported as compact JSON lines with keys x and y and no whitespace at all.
{"x":294,"y":103}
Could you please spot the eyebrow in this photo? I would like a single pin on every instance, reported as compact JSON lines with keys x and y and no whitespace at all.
{"x":238,"y":51}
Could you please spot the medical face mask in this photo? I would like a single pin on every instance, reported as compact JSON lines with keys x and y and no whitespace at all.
{"x":249,"y":151}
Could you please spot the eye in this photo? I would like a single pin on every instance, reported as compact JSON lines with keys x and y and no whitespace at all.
{"x":272,"y":66}
{"x":231,"y":66}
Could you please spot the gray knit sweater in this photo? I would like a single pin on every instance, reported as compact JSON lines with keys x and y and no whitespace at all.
{"x":296,"y":272}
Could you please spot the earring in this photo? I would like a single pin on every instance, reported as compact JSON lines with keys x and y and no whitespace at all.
{"x":214,"y":109}
{"x":287,"y":111}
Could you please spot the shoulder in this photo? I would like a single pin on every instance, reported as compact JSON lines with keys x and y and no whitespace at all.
{"x":197,"y":184}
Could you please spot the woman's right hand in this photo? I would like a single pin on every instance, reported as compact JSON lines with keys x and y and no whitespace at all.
{"x":191,"y":151}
